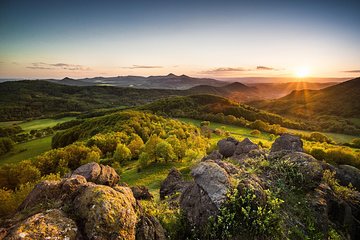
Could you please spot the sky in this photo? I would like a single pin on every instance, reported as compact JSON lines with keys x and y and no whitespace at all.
{"x":218,"y":39}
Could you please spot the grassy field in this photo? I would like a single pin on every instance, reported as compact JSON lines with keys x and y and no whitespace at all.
{"x":27,"y":150}
{"x":43,"y":123}
{"x":235,"y":131}
{"x":9,"y":123}
{"x":153,"y":175}
{"x":337,"y":137}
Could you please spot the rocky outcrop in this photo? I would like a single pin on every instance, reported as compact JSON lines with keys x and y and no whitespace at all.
{"x":213,"y":179}
{"x":141,"y":193}
{"x":214,"y":155}
{"x":74,"y":208}
{"x":287,"y":143}
{"x":52,"y":224}
{"x":106,"y":213}
{"x":227,"y":146}
{"x":245,"y":147}
{"x":99,"y":174}
{"x":348,"y":174}
{"x":174,"y":183}
{"x":149,"y":228}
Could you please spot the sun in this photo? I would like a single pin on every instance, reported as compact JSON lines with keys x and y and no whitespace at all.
{"x":302,"y":72}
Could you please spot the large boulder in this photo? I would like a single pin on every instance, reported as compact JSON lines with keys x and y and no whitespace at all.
{"x":213,"y":179}
{"x":250,"y":182}
{"x":310,"y":168}
{"x":105,"y":212}
{"x":53,"y":224}
{"x":99,"y":174}
{"x":348,"y":174}
{"x":227,"y":146}
{"x":214,"y":155}
{"x":149,"y":228}
{"x":288,"y":143}
{"x":172,"y":184}
{"x":43,"y":193}
{"x":141,"y":193}
{"x":245,"y":146}
{"x":197,"y":205}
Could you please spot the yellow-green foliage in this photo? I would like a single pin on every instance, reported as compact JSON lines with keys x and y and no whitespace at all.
{"x":122,"y":153}
{"x":345,"y":192}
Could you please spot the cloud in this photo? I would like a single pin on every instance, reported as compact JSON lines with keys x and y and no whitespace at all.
{"x":352,"y":71}
{"x":224,"y":70}
{"x":264,"y":68}
{"x":54,"y":66}
{"x":142,"y":66}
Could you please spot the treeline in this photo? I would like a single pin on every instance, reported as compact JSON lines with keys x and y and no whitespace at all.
{"x":31,"y":99}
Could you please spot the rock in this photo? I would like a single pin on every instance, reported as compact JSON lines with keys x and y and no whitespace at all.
{"x":253,"y":183}
{"x":197,"y":205}
{"x":214,"y":155}
{"x":228,"y":167}
{"x":149,"y":228}
{"x":90,"y":171}
{"x":72,"y":183}
{"x":287,"y":142}
{"x":99,"y":174}
{"x":108,"y":176}
{"x":42,"y":193}
{"x":227,"y":146}
{"x":310,"y":168}
{"x":141,"y":193}
{"x":106,"y":213}
{"x":213,"y":179}
{"x":172,"y":184}
{"x":52,"y":224}
{"x":348,"y":174}
{"x":245,"y":146}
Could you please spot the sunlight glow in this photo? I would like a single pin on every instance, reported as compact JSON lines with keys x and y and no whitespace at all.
{"x":302,"y":72}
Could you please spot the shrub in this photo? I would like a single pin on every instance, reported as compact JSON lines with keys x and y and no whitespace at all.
{"x":122,"y":153}
{"x":255,"y":132}
{"x":318,"y":153}
{"x":241,"y":215}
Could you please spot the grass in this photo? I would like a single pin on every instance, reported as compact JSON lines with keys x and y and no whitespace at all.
{"x":9,"y":123}
{"x":235,"y":131}
{"x":27,"y":150}
{"x":339,"y":138}
{"x":42,"y":123}
{"x":153,"y":175}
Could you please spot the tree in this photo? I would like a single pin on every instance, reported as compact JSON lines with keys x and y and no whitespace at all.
{"x":165,"y":151}
{"x":122,"y":153}
{"x":178,"y":146}
{"x":135,"y":145}
{"x":150,"y":147}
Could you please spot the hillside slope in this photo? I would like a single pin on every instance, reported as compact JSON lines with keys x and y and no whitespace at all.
{"x":339,"y":100}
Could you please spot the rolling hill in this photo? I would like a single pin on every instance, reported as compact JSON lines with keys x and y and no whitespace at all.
{"x":339,"y":100}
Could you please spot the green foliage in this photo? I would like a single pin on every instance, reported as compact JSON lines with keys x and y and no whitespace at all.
{"x":122,"y":153}
{"x":243,"y":216}
{"x":164,"y":151}
{"x":6,"y":145}
{"x":289,"y":172}
{"x":355,"y":143}
{"x":347,"y":193}
{"x":319,"y":137}
{"x":255,"y":132}
{"x":135,"y":145}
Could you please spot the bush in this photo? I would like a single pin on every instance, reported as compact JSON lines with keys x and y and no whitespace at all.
{"x":242,"y":216}
{"x":318,"y":153}
{"x":122,"y":153}
{"x":347,"y":193}
{"x":6,"y":145}
{"x":255,"y":132}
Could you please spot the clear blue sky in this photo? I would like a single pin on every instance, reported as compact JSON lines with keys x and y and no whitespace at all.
{"x":200,"y":38}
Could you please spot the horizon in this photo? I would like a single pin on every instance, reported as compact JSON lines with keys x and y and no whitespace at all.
{"x":204,"y":39}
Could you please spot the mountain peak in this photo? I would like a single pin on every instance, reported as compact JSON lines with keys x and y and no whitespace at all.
{"x":171,"y":75}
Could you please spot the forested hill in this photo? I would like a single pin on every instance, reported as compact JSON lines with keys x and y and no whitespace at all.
{"x":26,"y":99}
{"x":339,"y":100}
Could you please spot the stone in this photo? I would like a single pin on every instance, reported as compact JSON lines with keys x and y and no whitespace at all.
{"x":99,"y":174}
{"x":214,"y":155}
{"x":106,"y":213}
{"x":213,"y":179}
{"x":227,"y":146}
{"x":245,"y":146}
{"x":71,"y":184}
{"x":141,"y":193}
{"x":90,"y":171}
{"x":172,"y":184}
{"x":197,"y":205}
{"x":149,"y":228}
{"x":52,"y":224}
{"x":42,"y":193}
{"x":287,"y":142}
{"x":348,"y":174}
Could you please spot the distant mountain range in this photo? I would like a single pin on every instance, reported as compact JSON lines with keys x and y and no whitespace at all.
{"x":339,"y":100}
